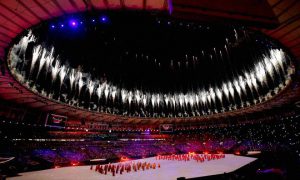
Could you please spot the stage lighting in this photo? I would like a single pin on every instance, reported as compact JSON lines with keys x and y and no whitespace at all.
{"x":103,"y":19}
{"x":62,"y":25}
{"x":73,"y":23}
{"x":74,"y":163}
{"x":52,"y":26}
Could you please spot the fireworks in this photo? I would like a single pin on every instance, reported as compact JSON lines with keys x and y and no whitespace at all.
{"x":62,"y":74}
{"x":55,"y":70}
{"x":80,"y":82}
{"x":204,"y":100}
{"x":72,"y":77}
{"x":99,"y":91}
{"x":91,"y":86}
{"x":42,"y":61}
{"x":35,"y":55}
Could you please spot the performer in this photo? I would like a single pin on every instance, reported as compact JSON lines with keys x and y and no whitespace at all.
{"x":113,"y":170}
{"x":105,"y":169}
{"x":101,"y":169}
{"x":118,"y":167}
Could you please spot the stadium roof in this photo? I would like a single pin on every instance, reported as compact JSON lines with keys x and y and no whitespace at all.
{"x":18,"y":15}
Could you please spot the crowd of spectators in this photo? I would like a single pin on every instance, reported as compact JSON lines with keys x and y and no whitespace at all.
{"x":60,"y":149}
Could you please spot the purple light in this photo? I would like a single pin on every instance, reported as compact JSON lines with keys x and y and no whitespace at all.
{"x":93,"y":20}
{"x":73,"y":23}
{"x":104,"y":19}
{"x":62,"y":25}
{"x":170,"y":5}
{"x":52,"y":26}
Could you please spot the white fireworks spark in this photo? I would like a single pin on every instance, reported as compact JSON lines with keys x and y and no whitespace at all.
{"x":72,"y":77}
{"x":55,"y":70}
{"x":62,"y":74}
{"x":91,"y":87}
{"x":35,"y":55}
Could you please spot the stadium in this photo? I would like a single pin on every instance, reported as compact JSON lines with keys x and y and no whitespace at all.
{"x":149,"y":89}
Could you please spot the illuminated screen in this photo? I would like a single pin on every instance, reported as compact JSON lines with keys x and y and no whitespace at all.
{"x":166,"y":128}
{"x":54,"y":120}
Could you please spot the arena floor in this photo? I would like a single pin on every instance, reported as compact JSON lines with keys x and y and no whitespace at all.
{"x":169,"y":170}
